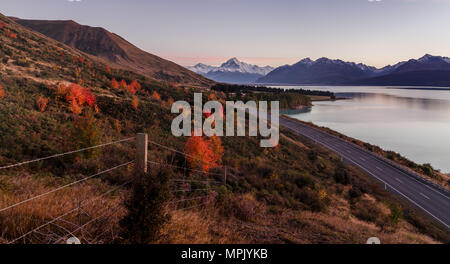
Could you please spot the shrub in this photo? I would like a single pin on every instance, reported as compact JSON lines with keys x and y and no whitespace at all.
{"x":355,"y":192}
{"x":311,"y":199}
{"x":304,"y":180}
{"x":244,"y":207}
{"x":41,"y":103}
{"x":366,"y":211}
{"x":2,"y":92}
{"x":396,"y":213}
{"x":135,"y":102}
{"x":341,"y":175}
{"x":85,"y":133}
{"x":146,"y":208}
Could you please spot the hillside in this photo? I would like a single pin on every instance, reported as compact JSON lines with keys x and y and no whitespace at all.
{"x":55,"y":99}
{"x":113,"y":48}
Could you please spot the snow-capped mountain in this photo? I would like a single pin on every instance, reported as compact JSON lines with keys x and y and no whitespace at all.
{"x":428,"y":70}
{"x":232,"y":71}
{"x":201,"y":68}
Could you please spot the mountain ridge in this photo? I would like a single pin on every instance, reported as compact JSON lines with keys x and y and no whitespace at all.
{"x":232,"y":71}
{"x":324,"y":71}
{"x":115,"y":49}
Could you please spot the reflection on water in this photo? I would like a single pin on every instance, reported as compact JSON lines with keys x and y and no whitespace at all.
{"x":415,"y":123}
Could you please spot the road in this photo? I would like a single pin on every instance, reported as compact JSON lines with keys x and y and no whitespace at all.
{"x":424,"y":196}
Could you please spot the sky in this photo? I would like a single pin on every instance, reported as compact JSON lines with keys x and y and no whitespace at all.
{"x":263,"y":32}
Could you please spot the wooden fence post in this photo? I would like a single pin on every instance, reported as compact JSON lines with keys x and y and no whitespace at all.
{"x":141,"y":152}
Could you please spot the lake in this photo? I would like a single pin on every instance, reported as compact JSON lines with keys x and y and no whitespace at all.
{"x":412,"y":121}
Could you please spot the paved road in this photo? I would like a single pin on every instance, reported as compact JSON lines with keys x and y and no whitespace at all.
{"x":427,"y":198}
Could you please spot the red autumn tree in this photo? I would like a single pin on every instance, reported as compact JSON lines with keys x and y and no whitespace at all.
{"x":2,"y":92}
{"x":78,"y":97}
{"x":123,"y":84}
{"x":108,"y":70}
{"x":114,"y":84}
{"x":199,"y":154}
{"x":156,"y":95}
{"x":204,"y":154}
{"x":135,"y":102}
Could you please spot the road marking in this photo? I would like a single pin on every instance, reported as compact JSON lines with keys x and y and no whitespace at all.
{"x":362,"y":159}
{"x":379,"y":168}
{"x":398,"y":180}
{"x":349,"y":151}
{"x":425,"y":196}
{"x":408,"y":198}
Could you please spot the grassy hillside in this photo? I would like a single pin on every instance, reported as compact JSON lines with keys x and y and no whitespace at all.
{"x":55,"y":99}
{"x":116,"y":50}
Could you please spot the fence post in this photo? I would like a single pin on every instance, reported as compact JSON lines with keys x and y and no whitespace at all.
{"x":141,"y":152}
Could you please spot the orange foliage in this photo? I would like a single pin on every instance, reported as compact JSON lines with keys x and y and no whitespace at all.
{"x":123,"y":84}
{"x":108,"y":69}
{"x":42,"y":103}
{"x":217,"y":149}
{"x":2,"y":92}
{"x":2,"y":25}
{"x":10,"y":34}
{"x":114,"y":84}
{"x":135,"y":102}
{"x":170,"y":101}
{"x":133,"y":87}
{"x":78,"y":97}
{"x":156,"y":95}
{"x":203,"y":154}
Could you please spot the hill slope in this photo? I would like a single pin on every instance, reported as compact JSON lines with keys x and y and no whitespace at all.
{"x":113,"y":48}
{"x":297,"y":192}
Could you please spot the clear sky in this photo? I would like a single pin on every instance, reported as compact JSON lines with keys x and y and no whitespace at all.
{"x":275,"y":32}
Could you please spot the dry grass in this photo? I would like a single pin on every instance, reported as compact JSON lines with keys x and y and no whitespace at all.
{"x":23,"y":218}
{"x":337,"y":225}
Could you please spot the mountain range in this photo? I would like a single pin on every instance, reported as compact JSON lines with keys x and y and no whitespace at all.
{"x":232,"y":71}
{"x":427,"y":71}
{"x":114,"y":50}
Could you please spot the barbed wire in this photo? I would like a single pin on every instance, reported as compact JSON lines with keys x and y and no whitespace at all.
{"x":63,"y":154}
{"x":63,"y":187}
{"x":69,"y":212}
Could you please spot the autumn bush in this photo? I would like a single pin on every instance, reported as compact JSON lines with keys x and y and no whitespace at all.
{"x":2,"y":92}
{"x":41,"y":103}
{"x":202,"y":153}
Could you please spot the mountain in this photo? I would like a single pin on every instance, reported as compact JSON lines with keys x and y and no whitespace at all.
{"x":428,"y":70}
{"x":232,"y":71}
{"x":114,"y":49}
{"x":201,"y":68}
{"x":321,"y":71}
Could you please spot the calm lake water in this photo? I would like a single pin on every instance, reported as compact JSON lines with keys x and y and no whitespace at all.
{"x":413,"y":122}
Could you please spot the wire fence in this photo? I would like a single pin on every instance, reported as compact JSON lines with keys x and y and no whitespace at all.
{"x":187,"y":193}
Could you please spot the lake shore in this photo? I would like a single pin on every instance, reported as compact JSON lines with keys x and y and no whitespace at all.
{"x":437,"y":177}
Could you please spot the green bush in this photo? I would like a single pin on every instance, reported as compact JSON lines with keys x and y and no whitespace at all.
{"x":146,"y":208}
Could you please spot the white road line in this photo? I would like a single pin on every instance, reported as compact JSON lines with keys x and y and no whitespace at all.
{"x":362,"y":159}
{"x":379,"y":168}
{"x":425,"y":196}
{"x":399,"y":180}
